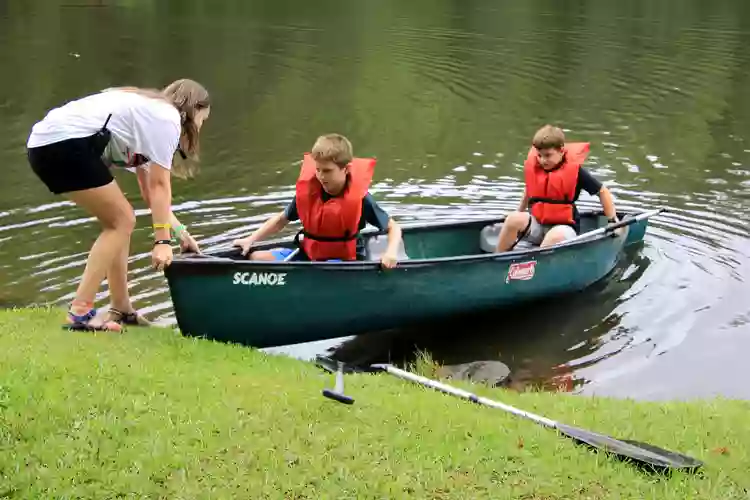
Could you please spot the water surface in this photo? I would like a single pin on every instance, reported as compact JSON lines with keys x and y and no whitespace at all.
{"x":447,"y":95}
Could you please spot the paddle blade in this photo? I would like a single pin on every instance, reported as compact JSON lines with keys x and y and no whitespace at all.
{"x":650,"y":456}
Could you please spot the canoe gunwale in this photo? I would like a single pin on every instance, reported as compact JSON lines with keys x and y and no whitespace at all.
{"x":181,"y":263}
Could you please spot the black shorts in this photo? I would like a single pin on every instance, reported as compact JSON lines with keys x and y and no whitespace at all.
{"x":70,"y":165}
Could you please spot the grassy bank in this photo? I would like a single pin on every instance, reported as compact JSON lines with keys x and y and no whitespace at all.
{"x":152,"y":414}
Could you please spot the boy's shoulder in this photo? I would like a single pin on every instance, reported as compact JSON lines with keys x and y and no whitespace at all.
{"x":368,"y":202}
{"x":586,"y":171}
{"x":369,"y":199}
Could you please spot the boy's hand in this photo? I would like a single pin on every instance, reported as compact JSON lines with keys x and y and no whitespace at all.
{"x":389,"y":260}
{"x":620,"y":230}
{"x":244,"y":244}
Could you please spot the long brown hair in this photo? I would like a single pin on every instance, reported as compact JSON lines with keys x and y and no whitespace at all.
{"x":189,"y":97}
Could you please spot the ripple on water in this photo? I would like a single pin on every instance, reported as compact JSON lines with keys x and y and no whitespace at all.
{"x":475,"y":90}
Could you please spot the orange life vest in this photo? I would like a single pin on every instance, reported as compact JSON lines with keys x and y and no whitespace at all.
{"x":330,"y":227}
{"x":551,"y":192}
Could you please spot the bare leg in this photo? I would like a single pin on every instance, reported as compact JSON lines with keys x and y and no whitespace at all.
{"x":557,"y":234}
{"x":117,"y":278}
{"x":121,"y":309}
{"x":111,"y":208}
{"x":514,"y":224}
{"x":261,"y":255}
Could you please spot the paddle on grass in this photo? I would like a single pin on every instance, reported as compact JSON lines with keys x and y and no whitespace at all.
{"x":644,"y":454}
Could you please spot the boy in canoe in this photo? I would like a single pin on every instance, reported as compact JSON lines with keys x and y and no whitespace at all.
{"x":554,"y":179}
{"x":333,"y":204}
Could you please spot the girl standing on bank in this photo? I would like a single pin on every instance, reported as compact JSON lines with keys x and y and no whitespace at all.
{"x":71,"y":151}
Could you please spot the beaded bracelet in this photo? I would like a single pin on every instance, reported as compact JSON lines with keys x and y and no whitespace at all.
{"x":177,"y":231}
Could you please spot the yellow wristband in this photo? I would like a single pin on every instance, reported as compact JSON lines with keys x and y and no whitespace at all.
{"x":162,"y":226}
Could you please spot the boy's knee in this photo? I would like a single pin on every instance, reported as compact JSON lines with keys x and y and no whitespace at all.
{"x":517,"y":220}
{"x":558,"y":234}
{"x":264,"y":255}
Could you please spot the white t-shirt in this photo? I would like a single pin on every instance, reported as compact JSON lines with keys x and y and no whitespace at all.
{"x":139,"y":125}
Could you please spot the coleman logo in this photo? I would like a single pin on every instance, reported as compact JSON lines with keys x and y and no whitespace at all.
{"x":259,"y":279}
{"x":521,"y":271}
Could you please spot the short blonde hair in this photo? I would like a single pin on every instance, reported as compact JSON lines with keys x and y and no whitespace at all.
{"x":334,"y":148}
{"x":549,"y":137}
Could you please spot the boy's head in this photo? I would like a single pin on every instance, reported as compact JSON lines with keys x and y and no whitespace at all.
{"x":549,"y":142}
{"x":332,"y":154}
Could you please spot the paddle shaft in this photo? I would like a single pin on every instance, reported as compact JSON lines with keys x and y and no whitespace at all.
{"x":611,"y":227}
{"x":626,"y":449}
{"x":337,"y":394}
{"x":339,"y":387}
{"x":291,"y":255}
{"x":465,"y":394}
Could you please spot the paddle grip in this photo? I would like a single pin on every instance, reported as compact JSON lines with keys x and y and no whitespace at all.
{"x":632,"y":220}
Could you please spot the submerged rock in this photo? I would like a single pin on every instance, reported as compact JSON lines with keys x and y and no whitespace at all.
{"x":494,"y":373}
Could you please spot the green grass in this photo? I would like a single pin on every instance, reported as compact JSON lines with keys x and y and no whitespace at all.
{"x":150,"y":414}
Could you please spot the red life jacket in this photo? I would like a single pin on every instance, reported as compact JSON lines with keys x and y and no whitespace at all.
{"x":330,"y":227}
{"x":551,"y":192}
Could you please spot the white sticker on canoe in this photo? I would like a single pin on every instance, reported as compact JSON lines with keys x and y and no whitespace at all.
{"x":259,"y":279}
{"x":521,"y":271}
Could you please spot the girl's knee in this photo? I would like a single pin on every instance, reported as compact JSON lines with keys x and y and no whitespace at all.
{"x":127,"y":222}
{"x":122,"y":220}
{"x":118,"y":217}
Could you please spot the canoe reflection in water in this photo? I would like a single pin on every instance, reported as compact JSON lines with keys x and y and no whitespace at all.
{"x":541,"y":342}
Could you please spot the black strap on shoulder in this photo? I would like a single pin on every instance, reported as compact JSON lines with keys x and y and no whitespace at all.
{"x":104,"y":127}
{"x":101,"y":138}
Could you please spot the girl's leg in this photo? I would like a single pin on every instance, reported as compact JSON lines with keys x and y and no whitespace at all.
{"x":117,"y":279}
{"x":121,"y":310}
{"x":109,"y":205}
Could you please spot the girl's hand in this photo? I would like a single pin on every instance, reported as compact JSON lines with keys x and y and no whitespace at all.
{"x":188,"y":243}
{"x":161,"y":256}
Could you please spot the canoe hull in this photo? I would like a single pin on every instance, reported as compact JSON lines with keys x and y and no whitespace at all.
{"x":266,"y":304}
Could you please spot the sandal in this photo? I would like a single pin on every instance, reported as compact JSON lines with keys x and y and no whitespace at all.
{"x":130,"y":318}
{"x":82,"y":322}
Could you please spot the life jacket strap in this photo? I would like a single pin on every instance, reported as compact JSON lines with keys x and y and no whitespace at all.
{"x":327,"y":239}
{"x":533,"y":200}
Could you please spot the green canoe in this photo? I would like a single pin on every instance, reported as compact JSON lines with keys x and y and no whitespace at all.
{"x":444,"y":269}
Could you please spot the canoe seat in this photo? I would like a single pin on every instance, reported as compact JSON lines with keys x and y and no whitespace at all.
{"x":488,"y":239}
{"x":376,"y":246}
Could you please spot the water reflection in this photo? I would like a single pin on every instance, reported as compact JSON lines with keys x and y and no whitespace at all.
{"x":585,"y":327}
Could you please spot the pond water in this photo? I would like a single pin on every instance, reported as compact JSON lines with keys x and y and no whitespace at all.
{"x":447,"y":94}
